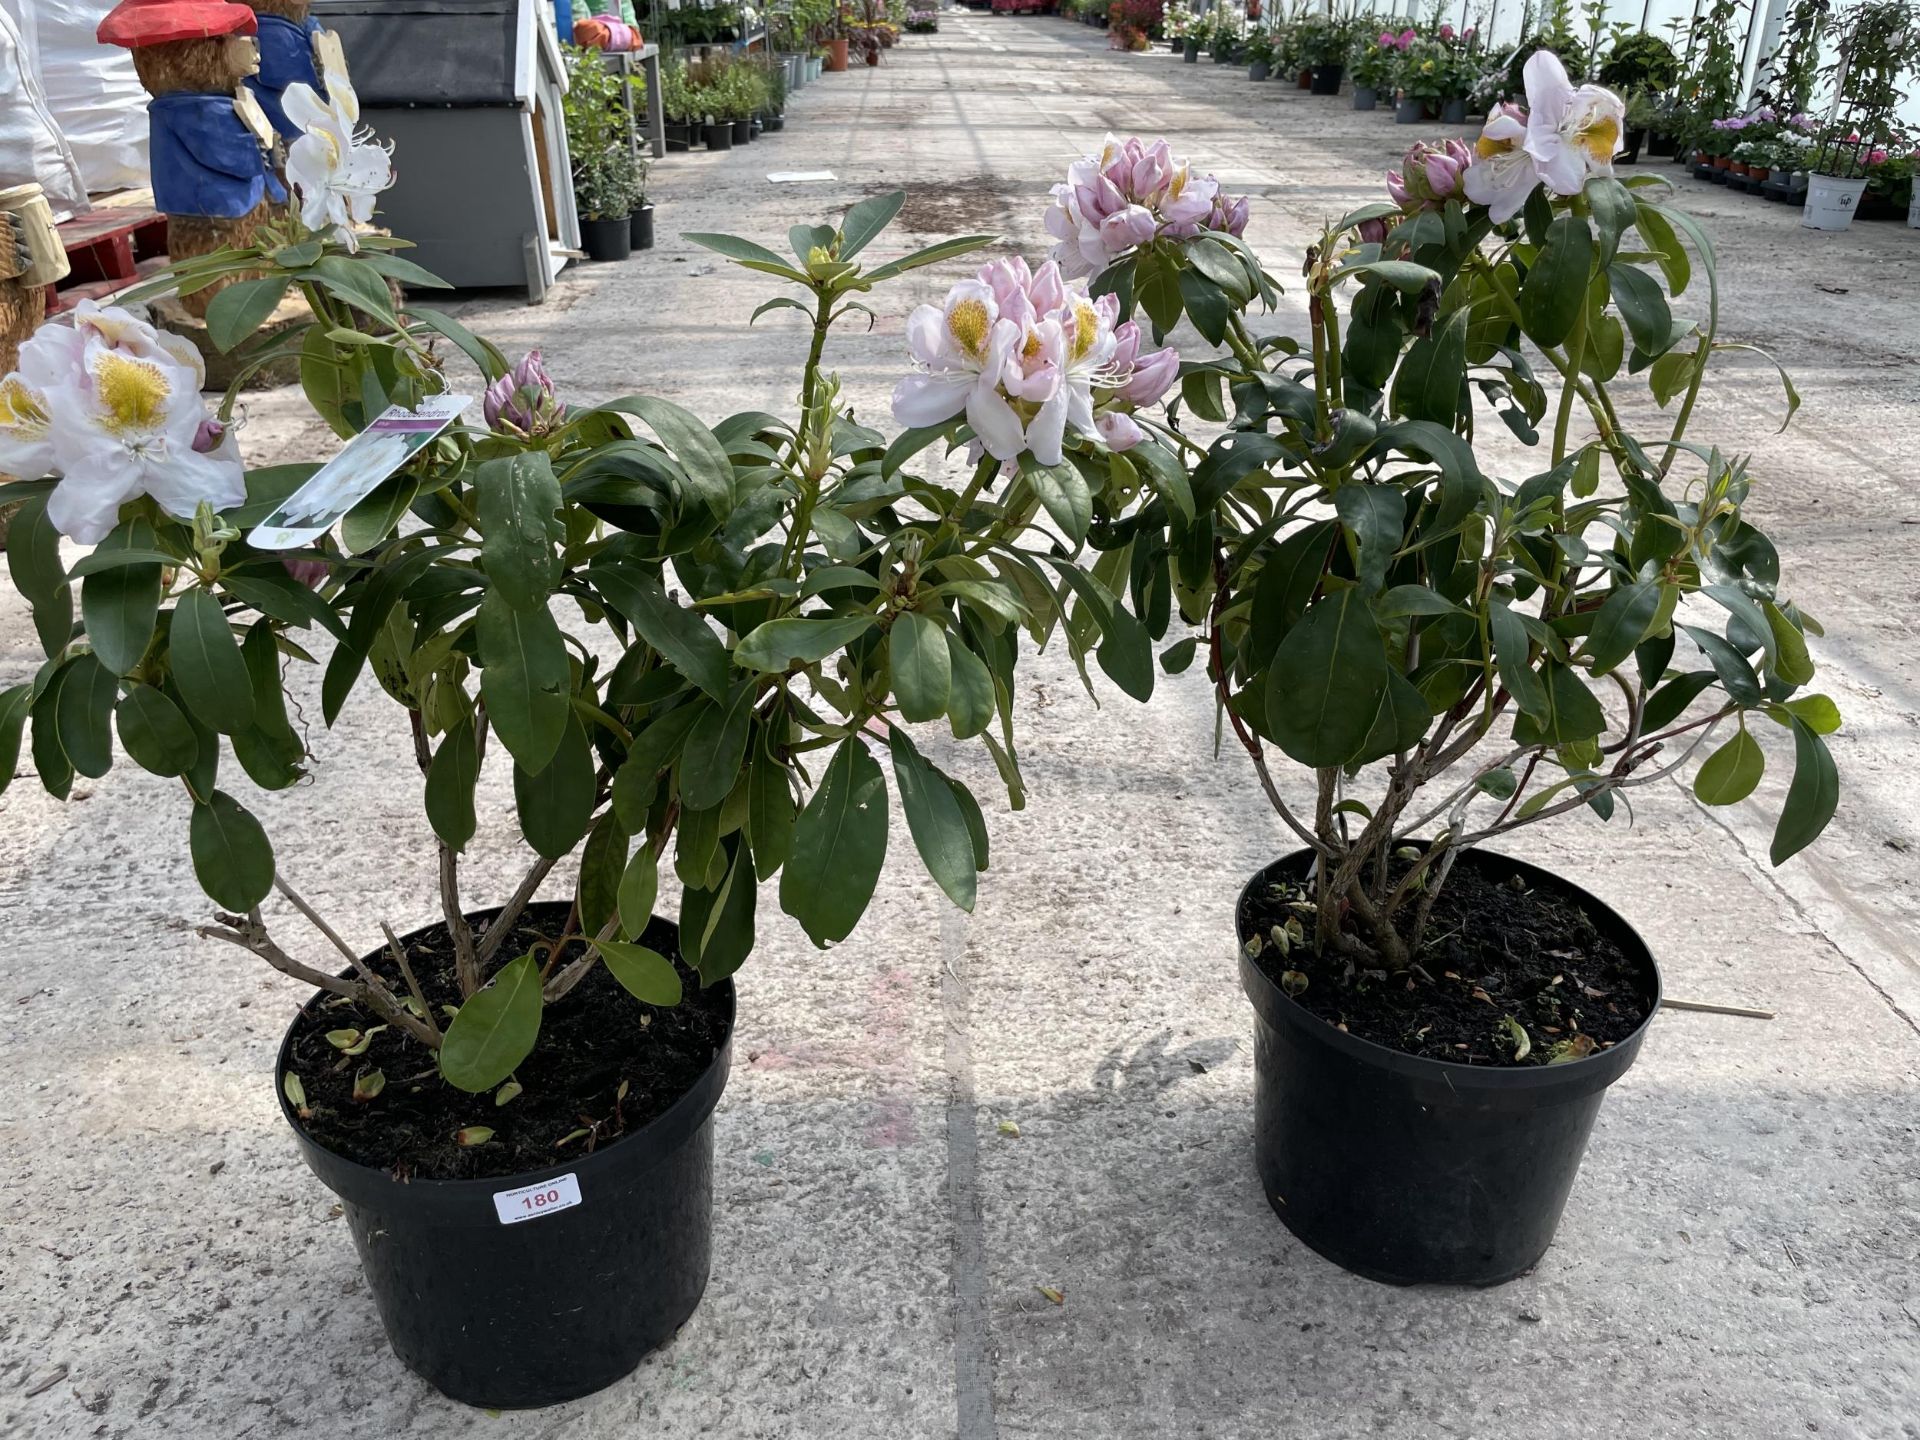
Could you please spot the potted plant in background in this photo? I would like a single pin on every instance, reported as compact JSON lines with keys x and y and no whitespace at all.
{"x":606,"y":191}
{"x":1323,"y":42}
{"x":835,"y":28}
{"x":1419,"y":658}
{"x":1880,"y":40}
{"x":640,"y":224}
{"x":1223,"y":41}
{"x":1258,"y":53}
{"x":538,"y":1078}
{"x":1420,"y":81}
{"x":1372,"y":61}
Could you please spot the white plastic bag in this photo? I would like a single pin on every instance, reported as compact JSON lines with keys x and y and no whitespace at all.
{"x":31,"y":146}
{"x":91,"y":89}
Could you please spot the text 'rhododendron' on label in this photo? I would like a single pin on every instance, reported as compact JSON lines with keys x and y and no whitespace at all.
{"x":1025,"y":356}
{"x":1124,"y":197}
{"x":113,"y":407}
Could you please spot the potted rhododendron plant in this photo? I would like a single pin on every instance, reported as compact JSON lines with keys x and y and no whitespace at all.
{"x":1421,"y":653}
{"x":772,"y":602}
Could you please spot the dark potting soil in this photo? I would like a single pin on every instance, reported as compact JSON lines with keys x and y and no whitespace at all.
{"x":1495,"y":947}
{"x":593,"y":1042}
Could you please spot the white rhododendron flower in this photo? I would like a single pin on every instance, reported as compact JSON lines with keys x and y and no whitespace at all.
{"x":1571,"y":132}
{"x":336,"y":169}
{"x":114,"y":408}
{"x":1502,"y":174}
{"x":1027,"y":357}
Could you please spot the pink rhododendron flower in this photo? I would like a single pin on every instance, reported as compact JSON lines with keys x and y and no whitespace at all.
{"x":1129,"y":194}
{"x":1446,"y":32}
{"x":1429,"y":176}
{"x":1876,"y":156}
{"x":522,"y":401}
{"x":1026,"y":356}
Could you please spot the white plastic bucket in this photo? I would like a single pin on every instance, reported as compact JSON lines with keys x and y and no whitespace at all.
{"x":1831,"y":202}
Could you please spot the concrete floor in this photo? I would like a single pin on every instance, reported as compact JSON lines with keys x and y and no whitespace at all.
{"x":1741,"y":1257}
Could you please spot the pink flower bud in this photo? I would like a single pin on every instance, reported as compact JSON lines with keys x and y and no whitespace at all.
{"x":1446,"y":32}
{"x":1151,"y":376}
{"x":306,"y":572}
{"x":1118,"y":430}
{"x":522,"y":401}
{"x":1373,"y":232}
{"x":209,"y":436}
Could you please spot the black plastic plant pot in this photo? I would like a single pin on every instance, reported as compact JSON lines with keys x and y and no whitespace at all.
{"x":1660,"y":146}
{"x":742,"y":131}
{"x":719,"y":135}
{"x":1365,"y":97}
{"x":1190,"y":51}
{"x":640,"y":227}
{"x":1258,"y":70}
{"x":775,"y":124}
{"x":679,"y":136}
{"x":1631,"y":153}
{"x":1326,"y":79}
{"x":1415,"y":1171}
{"x":1454,"y":111}
{"x":1409,"y":112}
{"x":534,"y":1289}
{"x":606,"y":239}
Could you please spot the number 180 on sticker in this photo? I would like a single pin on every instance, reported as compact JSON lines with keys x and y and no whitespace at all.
{"x":530,"y":1202}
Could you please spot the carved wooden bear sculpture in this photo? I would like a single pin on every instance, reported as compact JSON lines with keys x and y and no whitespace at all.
{"x":293,"y":50}
{"x":210,"y":170}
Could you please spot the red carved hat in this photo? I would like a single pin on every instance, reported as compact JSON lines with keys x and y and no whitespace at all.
{"x":134,"y":23}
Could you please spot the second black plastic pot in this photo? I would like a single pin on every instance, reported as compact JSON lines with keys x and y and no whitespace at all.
{"x":719,"y":135}
{"x":742,"y":131}
{"x":1415,"y":1171}
{"x":640,"y":227}
{"x":605,"y":1257}
{"x":606,"y":239}
{"x":1326,"y":79}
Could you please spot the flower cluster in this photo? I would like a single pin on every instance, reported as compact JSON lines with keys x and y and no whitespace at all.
{"x":1403,"y":41}
{"x":1125,"y":197}
{"x":1429,"y":176}
{"x":522,"y":401}
{"x":336,"y":168}
{"x":1026,"y":355}
{"x":113,"y":407}
{"x":1564,"y":134}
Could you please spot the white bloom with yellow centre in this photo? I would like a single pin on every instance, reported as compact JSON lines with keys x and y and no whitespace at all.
{"x":337,"y":169}
{"x":962,"y":349}
{"x":1572,"y":132}
{"x":1502,"y":174}
{"x":114,"y":408}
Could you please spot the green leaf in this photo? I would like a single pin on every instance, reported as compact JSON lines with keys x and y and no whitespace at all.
{"x":1289,"y":574}
{"x":716,"y":748}
{"x":735,"y":248}
{"x":1811,"y":798}
{"x":770,"y":810}
{"x":84,"y":715}
{"x":976,"y":822}
{"x":1732,"y":772}
{"x":1428,"y":384}
{"x":1156,"y":288}
{"x":484,"y":354}
{"x":778,"y":645}
{"x":1064,"y":494}
{"x":1400,"y":723}
{"x":33,"y":559}
{"x":685,"y":640}
{"x":1513,"y":653}
{"x":639,"y":890}
{"x":1402,"y":275}
{"x":603,"y":865}
{"x":286,"y":600}
{"x":1643,"y":305}
{"x":932,"y":255}
{"x":242,"y":308}
{"x":1376,"y":516}
{"x":119,"y":602}
{"x":520,"y":526}
{"x":653,"y":750}
{"x":868,"y":219}
{"x":555,"y":804}
{"x":154,"y":732}
{"x":702,"y":457}
{"x":207,"y":665}
{"x":357,"y":285}
{"x":524,"y":679}
{"x":14,"y":704}
{"x":922,"y":671}
{"x":1556,"y":287}
{"x":1736,"y":675}
{"x":231,"y":857}
{"x":1791,"y":662}
{"x":1327,"y":680}
{"x":1670,"y":701}
{"x":1572,"y":714}
{"x":1663,"y":242}
{"x":970,"y":694}
{"x":645,"y":974}
{"x":1621,"y":623}
{"x":451,"y":776}
{"x":1412,"y":600}
{"x":1819,"y":712}
{"x":935,"y":820}
{"x":839,"y":846}
{"x":1612,"y":207}
{"x":375,"y":518}
{"x":495,"y":1030}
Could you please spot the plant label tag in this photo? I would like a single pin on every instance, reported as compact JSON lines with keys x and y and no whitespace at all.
{"x":530,"y":1202}
{"x":356,"y":472}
